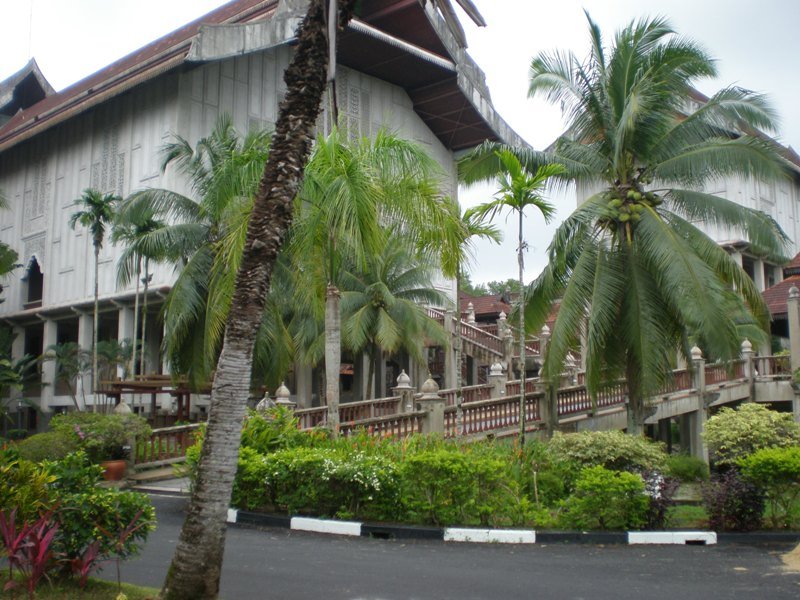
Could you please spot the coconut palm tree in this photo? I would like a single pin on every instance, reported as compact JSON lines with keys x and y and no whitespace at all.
{"x":96,"y":214}
{"x":196,"y":566}
{"x":203,"y":237}
{"x":352,"y":194}
{"x":136,"y":236}
{"x":382,"y":304}
{"x":634,"y":273}
{"x":519,"y":190}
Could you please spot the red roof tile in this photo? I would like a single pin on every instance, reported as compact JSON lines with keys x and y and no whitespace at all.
{"x":776,"y":296}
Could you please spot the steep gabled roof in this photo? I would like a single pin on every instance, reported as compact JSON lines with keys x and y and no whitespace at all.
{"x":399,"y":41}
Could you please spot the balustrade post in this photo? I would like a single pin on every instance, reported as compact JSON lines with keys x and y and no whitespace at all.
{"x":793,"y":309}
{"x":697,"y":419}
{"x":282,"y":396}
{"x":432,"y":405}
{"x":497,"y":379}
{"x":405,"y":391}
{"x":471,"y":313}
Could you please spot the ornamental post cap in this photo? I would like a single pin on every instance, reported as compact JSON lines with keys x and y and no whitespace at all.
{"x":495,"y":370}
{"x":403,"y":380}
{"x":747,"y":346}
{"x":794,"y":292}
{"x":282,"y":393}
{"x":697,"y":354}
{"x":430,"y":387}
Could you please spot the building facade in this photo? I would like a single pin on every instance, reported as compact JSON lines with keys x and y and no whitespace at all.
{"x":401,"y":68}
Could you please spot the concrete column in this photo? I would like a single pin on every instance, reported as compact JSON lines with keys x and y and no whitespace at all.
{"x":84,"y":384}
{"x":432,"y":404}
{"x":471,"y":313}
{"x":125,"y":332}
{"x":449,"y":354}
{"x":49,"y":338}
{"x":544,"y":340}
{"x":697,"y":419}
{"x":758,"y":275}
{"x":303,"y":383}
{"x":793,"y":309}
{"x":405,"y":391}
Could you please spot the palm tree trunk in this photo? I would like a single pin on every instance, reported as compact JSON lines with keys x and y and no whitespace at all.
{"x":197,"y":564}
{"x":520,"y":307}
{"x":144,"y":315}
{"x":333,"y":356}
{"x":635,"y":399}
{"x":132,"y":366}
{"x":95,"y":322}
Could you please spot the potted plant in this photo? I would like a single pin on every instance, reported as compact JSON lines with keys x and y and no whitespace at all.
{"x":105,"y":438}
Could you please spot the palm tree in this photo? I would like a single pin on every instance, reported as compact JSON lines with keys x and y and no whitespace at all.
{"x":136,"y":235}
{"x":519,"y":190}
{"x":204,"y":238}
{"x":382,"y":305}
{"x":96,"y":213}
{"x":632,"y":270}
{"x":197,"y":563}
{"x":351,"y":195}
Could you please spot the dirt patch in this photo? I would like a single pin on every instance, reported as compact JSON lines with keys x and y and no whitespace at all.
{"x":791,"y":560}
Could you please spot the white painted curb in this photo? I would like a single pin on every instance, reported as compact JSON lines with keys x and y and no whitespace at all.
{"x":672,"y":537}
{"x":490,"y":536}
{"x":232,"y":515}
{"x":326,"y":526}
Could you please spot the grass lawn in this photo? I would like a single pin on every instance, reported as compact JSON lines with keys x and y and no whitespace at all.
{"x":687,"y":516}
{"x":96,"y":589}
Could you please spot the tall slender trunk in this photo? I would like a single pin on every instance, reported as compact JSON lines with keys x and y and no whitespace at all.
{"x":197,"y":564}
{"x":135,"y":319}
{"x":95,"y":322}
{"x":635,"y":398}
{"x":144,"y":316}
{"x":333,"y":356}
{"x":520,"y":308}
{"x":458,"y":358}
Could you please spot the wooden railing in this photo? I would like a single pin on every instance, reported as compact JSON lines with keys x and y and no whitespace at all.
{"x":717,"y":373}
{"x":488,"y":415}
{"x":352,"y":411}
{"x":165,"y":445}
{"x":469,"y":393}
{"x":397,"y":425}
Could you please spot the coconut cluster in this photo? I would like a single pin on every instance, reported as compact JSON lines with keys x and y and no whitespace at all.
{"x":629,"y":207}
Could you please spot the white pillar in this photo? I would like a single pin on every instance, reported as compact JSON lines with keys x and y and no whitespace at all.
{"x":125,"y":332}
{"x":84,"y":384}
{"x":793,"y":309}
{"x":758,"y":275}
{"x":49,"y":338}
{"x":697,"y":420}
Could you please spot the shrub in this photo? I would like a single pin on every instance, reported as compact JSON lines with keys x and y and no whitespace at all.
{"x":733,"y":434}
{"x":732,"y":503}
{"x":25,"y":485}
{"x":328,"y":482}
{"x":605,"y":499}
{"x":50,"y":445}
{"x":687,"y":468}
{"x":614,"y":450}
{"x":776,"y":471}
{"x":103,"y":437}
{"x":275,"y":430}
{"x":444,"y":487}
{"x":249,"y":487}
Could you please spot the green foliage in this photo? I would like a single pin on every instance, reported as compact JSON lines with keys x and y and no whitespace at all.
{"x":687,"y":468}
{"x":733,"y":503}
{"x":101,"y":436}
{"x":24,"y":485}
{"x":49,"y":445}
{"x":732,"y":434}
{"x":606,"y":499}
{"x":446,"y":487}
{"x":613,"y":450}
{"x":777,"y":472}
{"x":277,"y":429}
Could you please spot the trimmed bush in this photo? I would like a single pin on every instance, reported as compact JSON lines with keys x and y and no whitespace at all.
{"x":50,"y":445}
{"x":605,"y":499}
{"x":614,"y":450}
{"x":687,"y":468}
{"x":776,"y":471}
{"x":101,"y":436}
{"x":733,"y":434}
{"x":732,"y":503}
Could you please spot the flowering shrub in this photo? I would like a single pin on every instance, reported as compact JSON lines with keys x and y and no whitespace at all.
{"x":102,"y":437}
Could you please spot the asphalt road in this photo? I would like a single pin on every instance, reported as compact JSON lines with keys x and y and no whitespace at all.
{"x":281,"y":564}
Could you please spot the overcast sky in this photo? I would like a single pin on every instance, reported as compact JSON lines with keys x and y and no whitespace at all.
{"x":756,"y":45}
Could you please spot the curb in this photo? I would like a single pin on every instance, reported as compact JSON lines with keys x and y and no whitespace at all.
{"x":477,"y":535}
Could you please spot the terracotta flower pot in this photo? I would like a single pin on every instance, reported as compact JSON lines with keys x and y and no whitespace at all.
{"x":113,"y":470}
